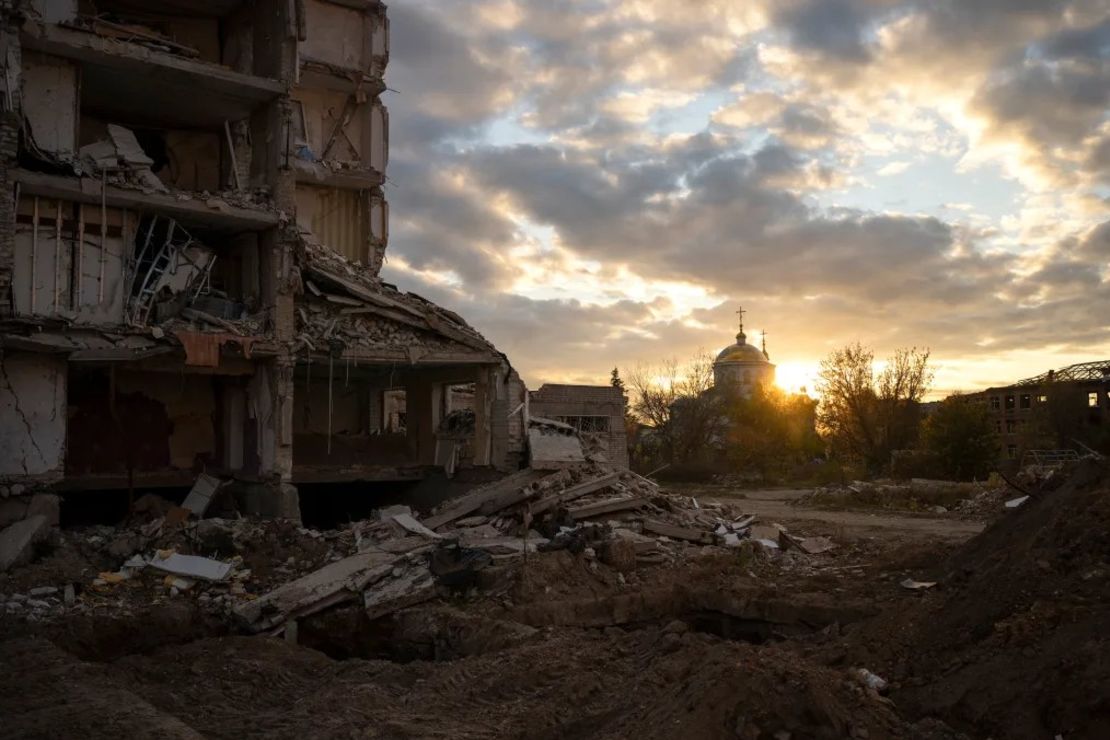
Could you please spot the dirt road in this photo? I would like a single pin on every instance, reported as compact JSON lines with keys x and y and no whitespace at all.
{"x":778,"y":505}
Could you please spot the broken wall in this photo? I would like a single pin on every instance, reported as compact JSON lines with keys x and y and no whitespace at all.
{"x":349,"y":405}
{"x":156,"y":421}
{"x":507,"y":423}
{"x":185,"y":159}
{"x":337,"y":217}
{"x":51,"y":103}
{"x":351,"y":436}
{"x":65,"y":264}
{"x":32,"y":415}
{"x":338,"y":35}
{"x":597,"y":412}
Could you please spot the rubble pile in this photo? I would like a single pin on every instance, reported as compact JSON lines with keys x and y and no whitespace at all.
{"x":349,"y":301}
{"x":116,"y":571}
{"x":1011,"y":641}
{"x":400,"y":560}
{"x":917,"y":494}
{"x":263,"y":576}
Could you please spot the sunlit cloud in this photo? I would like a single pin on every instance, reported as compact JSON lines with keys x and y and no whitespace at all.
{"x":600,"y":185}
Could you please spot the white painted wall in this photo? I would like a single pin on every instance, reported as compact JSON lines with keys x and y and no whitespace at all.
{"x":100,"y":280}
{"x":32,"y":415}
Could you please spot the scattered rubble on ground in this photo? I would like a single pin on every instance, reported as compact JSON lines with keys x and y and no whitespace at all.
{"x":591,"y":594}
{"x":1011,"y":641}
{"x":917,"y":494}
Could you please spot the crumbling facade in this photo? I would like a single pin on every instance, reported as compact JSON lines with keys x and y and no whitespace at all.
{"x":190,"y":244}
{"x":596,"y":412}
{"x":1067,"y":408}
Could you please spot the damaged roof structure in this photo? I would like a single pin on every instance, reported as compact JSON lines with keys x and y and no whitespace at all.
{"x":190,"y":256}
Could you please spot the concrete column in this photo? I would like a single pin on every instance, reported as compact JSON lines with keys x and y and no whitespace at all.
{"x":270,"y":398}
{"x":9,"y":142}
{"x":483,"y":406}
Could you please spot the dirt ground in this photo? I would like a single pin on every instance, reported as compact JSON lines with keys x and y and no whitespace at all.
{"x":781,"y":505}
{"x":749,"y":643}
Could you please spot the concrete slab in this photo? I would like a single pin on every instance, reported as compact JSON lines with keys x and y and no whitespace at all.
{"x":551,"y":450}
{"x":17,"y":541}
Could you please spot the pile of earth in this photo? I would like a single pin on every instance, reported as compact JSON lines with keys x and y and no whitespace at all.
{"x":1013,"y":640}
{"x":650,"y":683}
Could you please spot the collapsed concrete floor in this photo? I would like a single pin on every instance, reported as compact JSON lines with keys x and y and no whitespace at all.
{"x":711,"y":642}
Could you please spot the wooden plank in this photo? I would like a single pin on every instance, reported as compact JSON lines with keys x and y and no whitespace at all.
{"x":678,"y":533}
{"x":609,"y":506}
{"x":575,"y":492}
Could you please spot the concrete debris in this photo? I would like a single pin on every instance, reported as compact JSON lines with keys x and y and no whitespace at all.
{"x":347,"y":303}
{"x":122,"y":156}
{"x":18,"y":507}
{"x":18,"y":540}
{"x":1016,"y":502}
{"x":673,"y":532}
{"x":190,"y":566}
{"x":387,"y":513}
{"x":870,"y":680}
{"x":917,"y":494}
{"x":200,"y":497}
{"x":817,"y":545}
{"x":553,"y":445}
{"x":397,"y":591}
{"x":913,"y":585}
{"x":410,"y":524}
{"x":333,"y":584}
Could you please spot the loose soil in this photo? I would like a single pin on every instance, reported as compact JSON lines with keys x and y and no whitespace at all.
{"x":1013,"y":641}
{"x":716,"y":644}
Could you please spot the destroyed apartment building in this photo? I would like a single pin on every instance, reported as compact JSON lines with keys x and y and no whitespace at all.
{"x":190,"y":253}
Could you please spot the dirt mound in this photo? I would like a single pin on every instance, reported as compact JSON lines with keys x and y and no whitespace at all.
{"x":649,"y":683}
{"x":1013,"y":641}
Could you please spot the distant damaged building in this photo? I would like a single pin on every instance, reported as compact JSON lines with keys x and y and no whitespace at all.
{"x":190,"y":244}
{"x":1064,"y":409}
{"x":596,"y":412}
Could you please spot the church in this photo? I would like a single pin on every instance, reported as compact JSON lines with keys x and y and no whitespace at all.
{"x":741,"y":367}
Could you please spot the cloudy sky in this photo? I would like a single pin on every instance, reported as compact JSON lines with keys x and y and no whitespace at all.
{"x":599,"y":183}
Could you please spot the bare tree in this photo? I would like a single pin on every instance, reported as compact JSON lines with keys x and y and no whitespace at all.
{"x":674,"y":401}
{"x":864,"y":417}
{"x":902,"y":384}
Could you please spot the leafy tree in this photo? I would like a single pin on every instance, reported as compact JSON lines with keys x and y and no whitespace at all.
{"x":865,"y":416}
{"x":770,"y":432}
{"x":959,"y":440}
{"x":616,"y":381}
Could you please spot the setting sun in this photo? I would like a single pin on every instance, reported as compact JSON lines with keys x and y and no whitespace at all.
{"x":797,"y":377}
